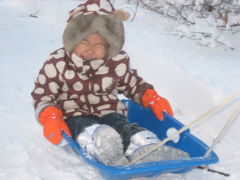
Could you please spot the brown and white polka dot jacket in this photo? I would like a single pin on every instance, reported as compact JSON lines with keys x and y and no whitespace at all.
{"x":83,"y":87}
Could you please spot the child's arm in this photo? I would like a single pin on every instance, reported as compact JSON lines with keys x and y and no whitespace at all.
{"x":134,"y":87}
{"x":157,"y":103}
{"x":131,"y":84}
{"x":53,"y":124}
{"x":47,"y":89}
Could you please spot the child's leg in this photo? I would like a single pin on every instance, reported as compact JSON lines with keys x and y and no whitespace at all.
{"x":144,"y":141}
{"x":120,"y":123}
{"x":99,"y":140}
{"x":77,"y":124}
{"x":138,"y":140}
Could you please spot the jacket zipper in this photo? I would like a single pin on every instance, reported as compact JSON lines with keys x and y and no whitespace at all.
{"x":86,"y":97}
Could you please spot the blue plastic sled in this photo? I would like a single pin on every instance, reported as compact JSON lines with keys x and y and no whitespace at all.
{"x":145,"y":118}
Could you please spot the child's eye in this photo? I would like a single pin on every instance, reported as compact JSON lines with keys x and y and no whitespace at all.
{"x":100,"y":46}
{"x":84,"y":42}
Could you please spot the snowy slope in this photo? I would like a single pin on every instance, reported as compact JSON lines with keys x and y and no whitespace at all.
{"x":193,"y":78}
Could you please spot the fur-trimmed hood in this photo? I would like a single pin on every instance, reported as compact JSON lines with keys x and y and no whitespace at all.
{"x":94,"y":16}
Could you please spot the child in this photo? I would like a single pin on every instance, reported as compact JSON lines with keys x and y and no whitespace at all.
{"x":76,"y":90}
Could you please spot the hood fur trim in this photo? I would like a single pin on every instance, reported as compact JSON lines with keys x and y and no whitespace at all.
{"x":110,"y":27}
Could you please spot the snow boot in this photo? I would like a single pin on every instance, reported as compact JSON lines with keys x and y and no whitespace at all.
{"x":104,"y":143}
{"x":143,"y":141}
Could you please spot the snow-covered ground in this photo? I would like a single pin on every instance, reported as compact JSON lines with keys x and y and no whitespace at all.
{"x":193,"y":78}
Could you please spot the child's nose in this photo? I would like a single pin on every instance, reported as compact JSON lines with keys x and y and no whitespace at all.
{"x":89,"y":54}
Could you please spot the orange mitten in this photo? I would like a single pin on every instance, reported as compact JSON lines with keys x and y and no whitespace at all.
{"x":157,"y":103}
{"x":53,"y":124}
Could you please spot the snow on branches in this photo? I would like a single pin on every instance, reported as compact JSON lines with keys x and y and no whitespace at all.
{"x":208,"y":21}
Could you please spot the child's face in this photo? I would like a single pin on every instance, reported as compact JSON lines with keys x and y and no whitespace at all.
{"x":92,"y":47}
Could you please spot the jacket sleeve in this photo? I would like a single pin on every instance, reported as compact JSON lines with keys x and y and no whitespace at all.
{"x":47,"y":85}
{"x":132,"y":85}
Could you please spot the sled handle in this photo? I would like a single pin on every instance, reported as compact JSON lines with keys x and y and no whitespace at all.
{"x":223,"y":104}
{"x":70,"y":140}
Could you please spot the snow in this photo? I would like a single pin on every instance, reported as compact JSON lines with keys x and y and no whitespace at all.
{"x":192,"y":77}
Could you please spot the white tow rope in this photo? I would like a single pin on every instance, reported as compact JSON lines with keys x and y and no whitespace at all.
{"x":225,"y":103}
{"x":232,"y":118}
